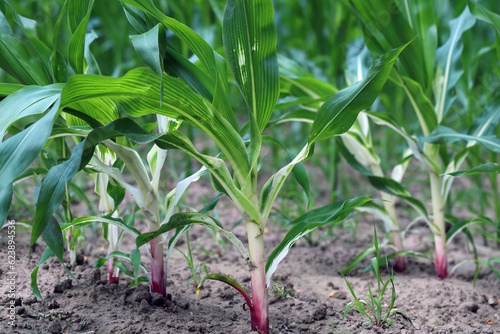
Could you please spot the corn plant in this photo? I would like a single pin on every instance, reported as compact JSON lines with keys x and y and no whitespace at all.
{"x":355,"y":144}
{"x":197,"y":94}
{"x":429,"y":76}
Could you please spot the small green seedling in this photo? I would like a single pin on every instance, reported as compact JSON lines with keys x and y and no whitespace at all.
{"x":374,"y":308}
{"x":196,"y":271}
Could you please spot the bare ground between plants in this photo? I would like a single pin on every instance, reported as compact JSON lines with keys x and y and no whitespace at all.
{"x":89,"y":305}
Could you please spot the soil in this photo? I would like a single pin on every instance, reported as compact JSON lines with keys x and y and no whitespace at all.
{"x":318,"y":295}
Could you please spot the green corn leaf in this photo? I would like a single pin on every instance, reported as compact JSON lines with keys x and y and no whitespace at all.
{"x":138,"y":94}
{"x":27,"y":101}
{"x":318,"y":215}
{"x":299,"y":171}
{"x":34,"y":274}
{"x":79,"y":15}
{"x":395,"y":188}
{"x":387,"y":25}
{"x":444,"y":135}
{"x":135,"y":258}
{"x":227,"y":280}
{"x":6,"y":89}
{"x":421,"y":104}
{"x":16,"y":60}
{"x":53,"y":237}
{"x":178,"y":66}
{"x":53,"y":186}
{"x":138,"y":19}
{"x":29,"y":28}
{"x":197,"y":44}
{"x":19,"y":151}
{"x":448,"y":62}
{"x":147,"y":46}
{"x":5,"y":201}
{"x":340,"y":111}
{"x":87,"y":220}
{"x":483,"y":14}
{"x":250,"y":43}
{"x":422,"y":21}
{"x":272,"y":187}
{"x":217,"y":167}
{"x":180,"y":220}
{"x":52,"y":191}
{"x":337,"y":215}
{"x":491,"y":168}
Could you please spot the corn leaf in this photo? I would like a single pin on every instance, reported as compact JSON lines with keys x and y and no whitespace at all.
{"x":483,"y":14}
{"x":34,"y":274}
{"x":250,"y":43}
{"x":16,"y":60}
{"x":337,"y":215}
{"x":448,"y":62}
{"x":228,"y":280}
{"x":147,"y":46}
{"x":445,"y":135}
{"x":197,"y":44}
{"x":299,"y":172}
{"x":340,"y":111}
{"x":387,"y":25}
{"x":138,"y":94}
{"x":6,"y":89}
{"x":180,"y":220}
{"x":491,"y":168}
{"x":217,"y":167}
{"x":79,"y":15}
{"x":19,"y":151}
{"x":27,"y":101}
{"x":5,"y":201}
{"x":392,"y":187}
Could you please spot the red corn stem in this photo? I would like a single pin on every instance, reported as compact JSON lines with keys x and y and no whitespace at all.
{"x":260,"y":304}
{"x":157,"y":277}
{"x":441,"y":263}
{"x":114,"y":277}
{"x":439,"y":228}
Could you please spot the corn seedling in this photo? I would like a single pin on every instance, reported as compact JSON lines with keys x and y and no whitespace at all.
{"x":429,"y":76}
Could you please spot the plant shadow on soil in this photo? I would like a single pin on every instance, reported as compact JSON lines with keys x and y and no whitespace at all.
{"x":88,"y":304}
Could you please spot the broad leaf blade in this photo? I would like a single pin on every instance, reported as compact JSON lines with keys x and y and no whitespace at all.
{"x":250,"y":44}
{"x":302,"y":228}
{"x":19,"y":151}
{"x":340,"y":111}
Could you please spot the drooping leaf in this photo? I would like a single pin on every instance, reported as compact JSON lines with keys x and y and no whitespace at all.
{"x":180,"y":220}
{"x":445,"y":135}
{"x":491,"y":168}
{"x":227,"y":280}
{"x":250,"y":43}
{"x":340,"y":111}
{"x":392,"y":187}
{"x":5,"y":201}
{"x":138,"y":94}
{"x":19,"y":151}
{"x":27,"y":101}
{"x":337,"y":215}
